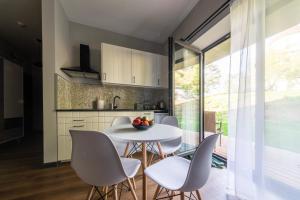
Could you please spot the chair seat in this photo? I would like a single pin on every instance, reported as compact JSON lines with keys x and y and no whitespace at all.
{"x":167,"y":148}
{"x":131,"y":166}
{"x":169,"y":173}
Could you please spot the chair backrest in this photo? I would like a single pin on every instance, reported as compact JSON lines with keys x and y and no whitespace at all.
{"x":170,"y":120}
{"x":121,"y":120}
{"x":210,"y":121}
{"x":95,"y":159}
{"x":200,"y":165}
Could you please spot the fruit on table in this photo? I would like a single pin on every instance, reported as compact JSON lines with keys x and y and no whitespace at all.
{"x":145,"y":123}
{"x":151,"y":122}
{"x":137,"y":121}
{"x":142,"y":121}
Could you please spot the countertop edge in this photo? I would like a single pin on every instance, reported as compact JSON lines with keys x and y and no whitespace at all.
{"x":107,"y":110}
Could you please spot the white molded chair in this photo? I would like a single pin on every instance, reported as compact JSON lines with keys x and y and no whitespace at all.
{"x":96,"y":161}
{"x":168,"y":147}
{"x":184,"y":175}
{"x":121,"y":146}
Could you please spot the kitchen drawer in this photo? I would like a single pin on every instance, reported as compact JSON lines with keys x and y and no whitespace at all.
{"x":64,"y":148}
{"x":109,"y":119}
{"x":88,"y":114}
{"x":101,"y":127}
{"x":64,"y":114}
{"x":68,"y":148}
{"x":91,"y":126}
{"x":101,"y":119}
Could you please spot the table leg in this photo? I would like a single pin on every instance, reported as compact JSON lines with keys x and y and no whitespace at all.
{"x":161,"y":153}
{"x":144,"y":164}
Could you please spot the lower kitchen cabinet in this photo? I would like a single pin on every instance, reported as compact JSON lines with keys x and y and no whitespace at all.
{"x":94,"y":120}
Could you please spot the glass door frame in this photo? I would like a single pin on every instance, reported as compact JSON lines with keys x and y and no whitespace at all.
{"x":171,"y":80}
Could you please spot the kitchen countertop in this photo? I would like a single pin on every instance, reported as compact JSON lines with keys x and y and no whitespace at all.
{"x":109,"y":110}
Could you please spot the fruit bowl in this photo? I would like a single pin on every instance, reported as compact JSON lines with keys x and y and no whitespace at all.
{"x":141,"y":127}
{"x":142,"y":123}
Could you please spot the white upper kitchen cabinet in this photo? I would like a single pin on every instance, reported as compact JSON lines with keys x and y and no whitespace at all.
{"x":151,"y":63}
{"x":120,"y":65}
{"x":116,"y":64}
{"x":138,"y":66}
{"x":108,"y":63}
{"x":123,"y":65}
{"x":162,"y":72}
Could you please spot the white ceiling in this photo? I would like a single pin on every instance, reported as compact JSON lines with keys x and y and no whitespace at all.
{"x":152,"y":20}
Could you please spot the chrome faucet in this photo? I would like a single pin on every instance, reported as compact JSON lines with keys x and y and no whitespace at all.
{"x":114,"y":102}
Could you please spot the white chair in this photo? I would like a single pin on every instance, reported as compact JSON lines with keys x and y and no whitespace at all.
{"x":168,"y":147}
{"x":96,"y":161}
{"x":184,"y":175}
{"x":121,"y":146}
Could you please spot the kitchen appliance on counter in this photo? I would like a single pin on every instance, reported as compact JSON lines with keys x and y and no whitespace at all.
{"x":161,"y":105}
{"x":100,"y":104}
{"x":148,"y":106}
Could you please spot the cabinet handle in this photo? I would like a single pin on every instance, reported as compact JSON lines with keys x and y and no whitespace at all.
{"x":78,"y":126}
{"x":158,"y":82}
{"x":133,"y":79}
{"x":104,"y":76}
{"x":78,"y":120}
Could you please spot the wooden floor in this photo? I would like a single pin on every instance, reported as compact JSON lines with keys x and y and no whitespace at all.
{"x":22,"y":176}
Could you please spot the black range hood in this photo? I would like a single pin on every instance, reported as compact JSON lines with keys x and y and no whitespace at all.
{"x":84,"y":70}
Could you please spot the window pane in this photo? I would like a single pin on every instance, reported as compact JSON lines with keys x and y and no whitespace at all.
{"x":216,"y":73}
{"x":186,"y":93}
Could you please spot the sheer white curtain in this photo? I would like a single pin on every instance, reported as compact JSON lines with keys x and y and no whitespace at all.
{"x":264,"y":100}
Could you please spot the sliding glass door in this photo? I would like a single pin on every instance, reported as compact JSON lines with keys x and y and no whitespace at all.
{"x":186,"y":93}
{"x":216,"y":83}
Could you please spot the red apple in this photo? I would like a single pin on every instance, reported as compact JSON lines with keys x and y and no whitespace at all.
{"x":137,"y":121}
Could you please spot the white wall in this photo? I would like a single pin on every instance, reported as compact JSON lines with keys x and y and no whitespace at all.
{"x":63,"y":51}
{"x":56,"y":54}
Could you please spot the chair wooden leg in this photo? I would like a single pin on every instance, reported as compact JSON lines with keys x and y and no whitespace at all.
{"x":91,"y":193}
{"x":106,"y":191}
{"x":133,"y":183}
{"x":115,"y":192}
{"x":198,"y":194}
{"x":156,"y":192}
{"x":181,"y":195}
{"x":151,"y":159}
{"x":132,"y":189}
{"x":172,"y":195}
{"x":161,"y":153}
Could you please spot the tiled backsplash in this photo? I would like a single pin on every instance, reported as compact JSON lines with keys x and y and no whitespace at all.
{"x":81,"y":96}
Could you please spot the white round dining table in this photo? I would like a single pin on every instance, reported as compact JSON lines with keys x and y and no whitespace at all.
{"x":155,"y":134}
